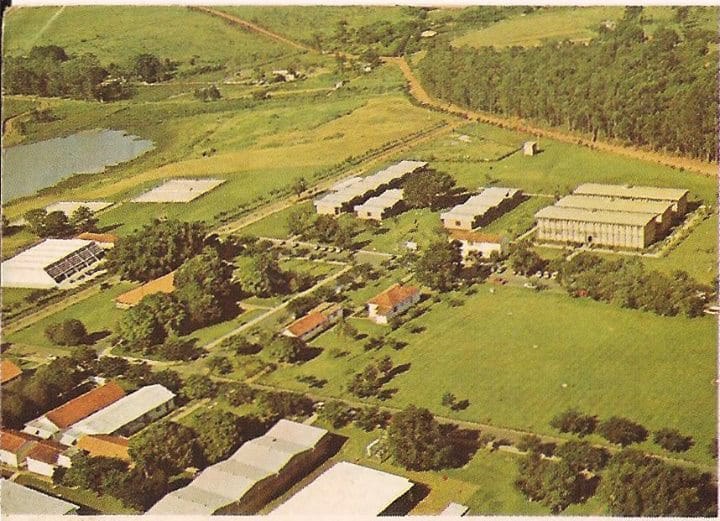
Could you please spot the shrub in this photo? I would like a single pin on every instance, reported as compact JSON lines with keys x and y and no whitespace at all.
{"x":672,"y":440}
{"x":69,"y":332}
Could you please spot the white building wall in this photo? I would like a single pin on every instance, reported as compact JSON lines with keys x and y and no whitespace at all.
{"x":9,"y":458}
{"x":40,"y":467}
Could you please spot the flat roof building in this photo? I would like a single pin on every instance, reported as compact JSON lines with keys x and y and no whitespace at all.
{"x":49,"y":263}
{"x":381,"y":206}
{"x":125,"y":416}
{"x":18,"y":500}
{"x":260,"y":470}
{"x":179,"y":191}
{"x":355,"y":191}
{"x":677,"y":196}
{"x":601,"y":227}
{"x":481,"y":208}
{"x":662,"y":209}
{"x":347,"y":489}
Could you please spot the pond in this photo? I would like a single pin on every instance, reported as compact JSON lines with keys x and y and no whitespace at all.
{"x":29,"y":168}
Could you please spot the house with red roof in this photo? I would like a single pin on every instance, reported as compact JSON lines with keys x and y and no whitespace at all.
{"x":14,"y":447}
{"x":46,"y":456}
{"x":393,"y":301}
{"x":8,"y":371}
{"x":315,"y":322}
{"x":63,"y":417}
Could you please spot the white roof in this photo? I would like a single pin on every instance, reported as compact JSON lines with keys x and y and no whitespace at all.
{"x":594,"y":216}
{"x":68,"y":207}
{"x":387,"y":199}
{"x":455,"y":510}
{"x":637,"y":192}
{"x":122,"y":412}
{"x":347,"y":489}
{"x":19,"y":500}
{"x":42,"y":423}
{"x":178,"y":191}
{"x":27,"y":269}
{"x":228,"y":481}
{"x":593,"y":202}
{"x":478,"y":205}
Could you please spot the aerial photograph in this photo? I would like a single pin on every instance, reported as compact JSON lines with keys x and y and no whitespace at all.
{"x":408,"y":260}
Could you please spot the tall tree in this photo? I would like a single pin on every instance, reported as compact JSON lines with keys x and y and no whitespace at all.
{"x":416,"y":441}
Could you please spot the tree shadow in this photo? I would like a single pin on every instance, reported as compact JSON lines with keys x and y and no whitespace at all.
{"x":405,"y":503}
{"x":398,"y":369}
{"x":461,"y":405}
{"x":9,"y":230}
{"x":463,"y":443}
{"x":308,"y":353}
{"x":386,"y":394}
{"x":96,"y":336}
{"x":110,"y":227}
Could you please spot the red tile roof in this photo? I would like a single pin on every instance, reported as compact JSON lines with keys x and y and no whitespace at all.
{"x":46,"y":451}
{"x":105,"y":445}
{"x":8,"y":371}
{"x":85,"y":405}
{"x":307,"y":323}
{"x":12,"y":441}
{"x":164,"y":284}
{"x":471,"y":236}
{"x":394,"y":295}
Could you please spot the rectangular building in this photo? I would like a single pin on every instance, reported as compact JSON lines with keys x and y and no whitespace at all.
{"x":14,"y":447}
{"x":663,"y":209}
{"x":481,"y":208}
{"x":46,"y":456}
{"x":381,"y":206}
{"x":259,"y":471}
{"x":316,"y":321}
{"x":125,"y":416}
{"x":601,"y":227}
{"x":347,"y":489}
{"x":392,"y":302}
{"x":483,"y":245}
{"x":18,"y":500}
{"x":358,"y":190}
{"x":677,"y":196}
{"x":50,"y":263}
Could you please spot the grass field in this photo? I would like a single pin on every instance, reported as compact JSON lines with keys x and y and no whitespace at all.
{"x":519,"y":219}
{"x":510,"y":353}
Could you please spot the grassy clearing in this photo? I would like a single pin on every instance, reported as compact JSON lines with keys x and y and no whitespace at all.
{"x":98,"y":313}
{"x":420,"y":226}
{"x":519,"y":219}
{"x":521,"y":347}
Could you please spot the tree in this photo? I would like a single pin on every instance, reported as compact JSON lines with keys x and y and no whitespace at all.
{"x":219,"y":364}
{"x":366,"y":383}
{"x":155,"y":250}
{"x":427,"y":189}
{"x":84,"y":357}
{"x":167,"y":378}
{"x":165,"y":446}
{"x":198,"y":386}
{"x":554,"y":485}
{"x":152,"y":321}
{"x":83,"y":220}
{"x":176,"y":348}
{"x":211,"y":93}
{"x":240,"y":345}
{"x":218,"y":434}
{"x":286,"y":349}
{"x":90,"y":472}
{"x":337,"y":413}
{"x":581,"y":455}
{"x":622,"y":431}
{"x":148,"y":68}
{"x":69,"y":332}
{"x":448,"y":400}
{"x":370,"y":418}
{"x":299,"y":186}
{"x":56,"y":224}
{"x":300,"y":221}
{"x":637,"y":485}
{"x":416,"y":441}
{"x":301,"y":305}
{"x":345,"y":329}
{"x":284,"y":405}
{"x":672,"y":440}
{"x":36,"y":221}
{"x":204,"y":284}
{"x":237,"y":393}
{"x":574,"y":421}
{"x":439,"y":266}
{"x":524,"y":260}
{"x":264,"y":276}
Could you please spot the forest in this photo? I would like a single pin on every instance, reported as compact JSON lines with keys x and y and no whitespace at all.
{"x":652,"y":92}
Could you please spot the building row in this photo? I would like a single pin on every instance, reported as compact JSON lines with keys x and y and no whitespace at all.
{"x":381,"y":206}
{"x":481,"y":208}
{"x":344,"y":196}
{"x":631,"y":217}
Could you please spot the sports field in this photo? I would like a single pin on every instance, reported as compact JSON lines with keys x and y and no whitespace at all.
{"x":528,"y":356}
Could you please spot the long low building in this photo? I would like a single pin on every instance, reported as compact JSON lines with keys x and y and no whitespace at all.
{"x":381,"y":206}
{"x":605,"y":228}
{"x":482,"y":245}
{"x":50,"y":263}
{"x":18,"y":500}
{"x":317,"y":320}
{"x":259,"y":471}
{"x":662,"y":209}
{"x":357,"y":190}
{"x":678,"y":197}
{"x":347,"y":489}
{"x":125,"y":416}
{"x":481,"y":208}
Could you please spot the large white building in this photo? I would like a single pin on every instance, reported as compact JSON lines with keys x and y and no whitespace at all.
{"x":257,"y":472}
{"x":662,"y":209}
{"x":678,"y":197}
{"x":125,"y":416}
{"x":345,"y":490}
{"x":481,"y":208}
{"x":355,"y":191}
{"x":17,"y":500}
{"x":50,"y":263}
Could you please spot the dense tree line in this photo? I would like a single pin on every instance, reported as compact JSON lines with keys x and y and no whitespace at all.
{"x":623,"y":85}
{"x":57,"y":224}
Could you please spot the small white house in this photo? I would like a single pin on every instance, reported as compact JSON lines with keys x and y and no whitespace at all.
{"x":392,"y":302}
{"x":479,"y":244}
{"x":46,"y":456}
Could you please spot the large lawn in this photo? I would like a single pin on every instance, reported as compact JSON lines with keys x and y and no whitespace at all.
{"x":521,"y":357}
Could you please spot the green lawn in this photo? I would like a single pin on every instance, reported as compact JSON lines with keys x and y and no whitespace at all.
{"x":511,"y":352}
{"x":421,"y":226}
{"x":275,"y":225}
{"x":98,"y":313}
{"x":519,"y":219}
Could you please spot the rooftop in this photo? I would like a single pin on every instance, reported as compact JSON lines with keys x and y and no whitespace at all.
{"x":13,"y":441}
{"x":47,"y":451}
{"x":313,"y":319}
{"x":591,"y":202}
{"x":105,"y":445}
{"x":98,"y":237}
{"x":387,"y":199}
{"x":346,"y":489}
{"x":598,"y":216}
{"x":8,"y":371}
{"x":69,"y":207}
{"x":178,"y":191}
{"x":20,"y":500}
{"x":164,"y":284}
{"x":84,"y":405}
{"x":46,"y":253}
{"x":394,"y":295}
{"x":480,"y":203}
{"x":628,"y":191}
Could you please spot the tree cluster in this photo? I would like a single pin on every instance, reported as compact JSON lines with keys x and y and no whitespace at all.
{"x":57,"y":225}
{"x":416,"y":440}
{"x":621,"y":86}
{"x":211,"y":93}
{"x":69,"y":332}
{"x":428,"y":189}
{"x":370,"y":380}
{"x":326,"y":229}
{"x":440,"y":265}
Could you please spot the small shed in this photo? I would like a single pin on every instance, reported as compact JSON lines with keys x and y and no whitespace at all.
{"x":530,"y":148}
